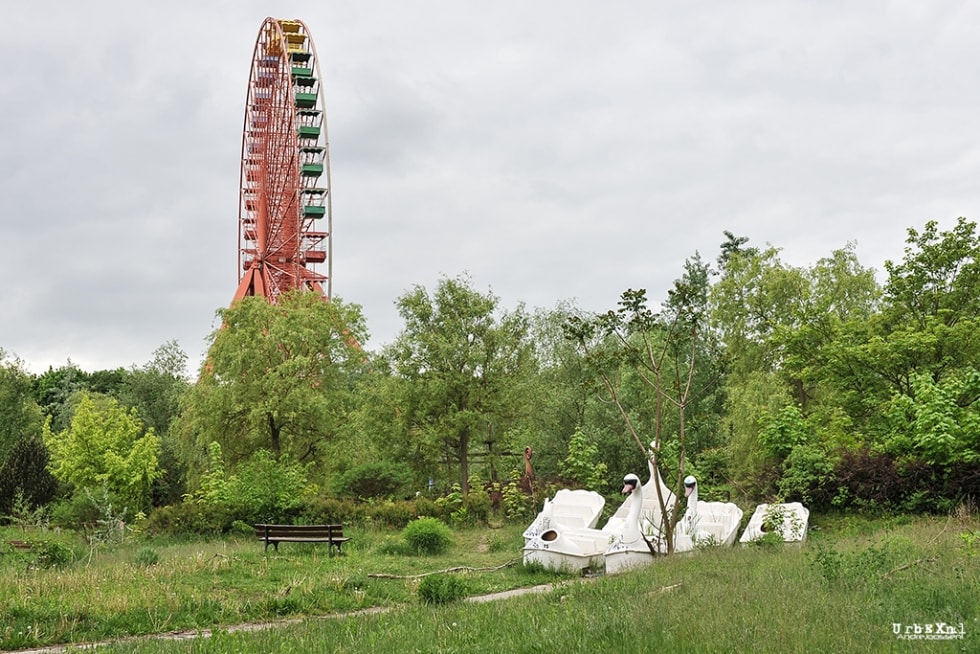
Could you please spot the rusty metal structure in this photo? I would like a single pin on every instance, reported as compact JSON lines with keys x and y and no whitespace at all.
{"x":284,"y":216}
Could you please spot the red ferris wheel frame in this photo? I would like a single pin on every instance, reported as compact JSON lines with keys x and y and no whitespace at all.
{"x":285,"y":220}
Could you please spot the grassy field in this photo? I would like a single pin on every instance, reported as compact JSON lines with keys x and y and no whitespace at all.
{"x":843,"y":591}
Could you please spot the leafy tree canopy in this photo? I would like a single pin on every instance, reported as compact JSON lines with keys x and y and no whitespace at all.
{"x":106,"y":446}
{"x":277,"y":377}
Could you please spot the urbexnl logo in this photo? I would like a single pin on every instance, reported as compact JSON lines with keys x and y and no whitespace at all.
{"x":929,"y":631}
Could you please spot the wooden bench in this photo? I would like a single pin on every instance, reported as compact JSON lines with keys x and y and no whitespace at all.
{"x":333,"y":535}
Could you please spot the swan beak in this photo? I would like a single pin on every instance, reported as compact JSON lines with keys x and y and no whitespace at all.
{"x":627,"y":489}
{"x":688,"y":490}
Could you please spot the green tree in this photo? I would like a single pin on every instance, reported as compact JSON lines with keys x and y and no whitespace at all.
{"x":278,"y":377}
{"x":464,"y":368}
{"x":939,"y":422}
{"x":55,"y":390}
{"x":784,"y":330}
{"x":570,"y":401}
{"x":24,"y":474}
{"x":106,"y":446}
{"x":155,"y":389}
{"x":20,"y":415}
{"x":583,"y":463}
{"x":661,"y":351}
{"x":928,"y":325}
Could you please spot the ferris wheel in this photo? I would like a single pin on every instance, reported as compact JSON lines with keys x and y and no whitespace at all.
{"x":284,"y":215}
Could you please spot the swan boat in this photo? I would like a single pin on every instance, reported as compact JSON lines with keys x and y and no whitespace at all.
{"x":790,"y":520}
{"x":711,"y":523}
{"x":561,"y":537}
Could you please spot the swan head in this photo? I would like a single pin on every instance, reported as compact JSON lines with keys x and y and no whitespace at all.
{"x":690,"y":483}
{"x":630,"y":483}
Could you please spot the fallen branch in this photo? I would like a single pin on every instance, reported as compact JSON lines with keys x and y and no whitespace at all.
{"x":906,"y":566}
{"x":460,"y":568}
{"x":941,"y":531}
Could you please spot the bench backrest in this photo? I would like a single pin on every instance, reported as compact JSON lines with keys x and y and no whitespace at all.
{"x":302,"y":531}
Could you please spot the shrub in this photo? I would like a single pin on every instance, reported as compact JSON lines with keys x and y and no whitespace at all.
{"x":583,"y":463}
{"x":713,"y":464}
{"x":261,"y":489}
{"x":868,"y":479}
{"x":518,"y":505}
{"x":441,"y":589}
{"x":392,"y":546}
{"x":328,"y":510}
{"x":52,"y":553}
{"x":24,"y":476}
{"x":808,"y":475}
{"x":971,"y":542}
{"x":147,"y":557}
{"x":371,"y":480}
{"x":477,"y":506}
{"x":74,"y":512}
{"x":426,"y":506}
{"x":187,"y":518}
{"x":392,"y":514}
{"x":451,"y":504}
{"x":428,"y":536}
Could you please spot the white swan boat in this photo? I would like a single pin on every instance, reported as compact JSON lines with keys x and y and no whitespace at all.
{"x":704,"y":523}
{"x":563,"y":536}
{"x":569,"y":509}
{"x":790,"y":521}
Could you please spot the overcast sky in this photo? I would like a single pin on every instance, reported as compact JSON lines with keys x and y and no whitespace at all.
{"x":553,"y":150}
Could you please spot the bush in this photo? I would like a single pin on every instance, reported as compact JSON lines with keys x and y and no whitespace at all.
{"x":428,"y":536}
{"x":477,"y":505}
{"x":186,"y":519}
{"x":50,"y":553}
{"x":518,"y":505}
{"x":392,"y":546}
{"x":427,"y":506}
{"x":808,"y":476}
{"x":24,"y":475}
{"x":374,"y":480}
{"x":261,"y":489}
{"x":74,"y":512}
{"x":328,"y":510}
{"x":441,"y":589}
{"x":147,"y":557}
{"x":868,"y":479}
{"x":392,"y":514}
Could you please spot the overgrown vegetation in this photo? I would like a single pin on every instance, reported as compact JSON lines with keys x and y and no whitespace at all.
{"x":843,"y":590}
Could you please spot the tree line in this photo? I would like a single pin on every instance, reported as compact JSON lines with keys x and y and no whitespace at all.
{"x":767,"y":381}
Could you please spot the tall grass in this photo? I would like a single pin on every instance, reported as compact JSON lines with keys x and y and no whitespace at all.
{"x":840,"y":592}
{"x":205,"y":584}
